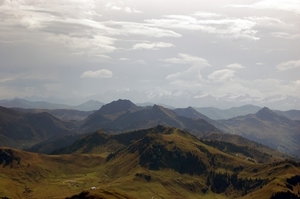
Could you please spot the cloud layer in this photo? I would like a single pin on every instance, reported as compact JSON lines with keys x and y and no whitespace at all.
{"x":64,"y":49}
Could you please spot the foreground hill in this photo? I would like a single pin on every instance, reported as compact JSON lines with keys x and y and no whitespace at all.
{"x":22,"y":130}
{"x":267,"y":128}
{"x":163,"y":162}
{"x":101,"y":142}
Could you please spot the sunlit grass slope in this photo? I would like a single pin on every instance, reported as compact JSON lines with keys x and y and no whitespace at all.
{"x":163,"y":163}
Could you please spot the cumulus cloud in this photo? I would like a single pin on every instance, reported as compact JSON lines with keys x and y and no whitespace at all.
{"x":235,"y":66}
{"x":102,"y":73}
{"x":288,"y":65}
{"x":222,"y":75}
{"x":152,"y":46}
{"x":188,"y":59}
{"x":119,"y":6}
{"x":191,"y":77}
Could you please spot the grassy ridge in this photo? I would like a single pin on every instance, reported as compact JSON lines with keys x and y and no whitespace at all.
{"x":164,"y":163}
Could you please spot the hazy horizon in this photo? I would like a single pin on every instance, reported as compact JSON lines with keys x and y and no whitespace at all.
{"x":189,"y":53}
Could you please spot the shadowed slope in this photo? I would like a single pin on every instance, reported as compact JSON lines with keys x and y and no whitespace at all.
{"x":268,"y":128}
{"x":21,"y":130}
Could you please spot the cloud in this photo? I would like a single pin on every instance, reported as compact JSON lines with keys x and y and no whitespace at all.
{"x":102,"y":73}
{"x":76,"y":25}
{"x":206,"y":14}
{"x":133,"y":28}
{"x":235,"y":66}
{"x":224,"y":27}
{"x":286,"y":5}
{"x":152,"y":46}
{"x":288,"y":65}
{"x":120,"y":7}
{"x":190,"y":78}
{"x":188,"y":59}
{"x":94,"y":46}
{"x":222,"y":75}
{"x":285,"y":35}
{"x":124,"y":59}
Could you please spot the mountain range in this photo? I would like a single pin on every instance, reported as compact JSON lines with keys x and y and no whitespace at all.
{"x":128,"y":116}
{"x":217,"y":114}
{"x":267,"y":127}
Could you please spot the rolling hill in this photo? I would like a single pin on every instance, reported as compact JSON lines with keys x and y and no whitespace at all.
{"x":163,"y":162}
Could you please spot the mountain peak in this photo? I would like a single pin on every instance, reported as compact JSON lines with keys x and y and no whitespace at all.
{"x":121,"y":105}
{"x":266,"y":114}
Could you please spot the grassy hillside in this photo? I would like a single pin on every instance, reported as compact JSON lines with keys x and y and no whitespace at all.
{"x":163,"y":163}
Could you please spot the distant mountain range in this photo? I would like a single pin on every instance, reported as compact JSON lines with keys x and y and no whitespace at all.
{"x":217,"y":114}
{"x":123,"y":115}
{"x":25,"y":104}
{"x":62,"y":114}
{"x":265,"y":127}
{"x":268,"y":128}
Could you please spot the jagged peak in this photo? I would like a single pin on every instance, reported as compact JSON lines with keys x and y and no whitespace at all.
{"x":266,"y":114}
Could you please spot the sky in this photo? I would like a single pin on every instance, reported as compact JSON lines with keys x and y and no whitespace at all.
{"x":177,"y":51}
